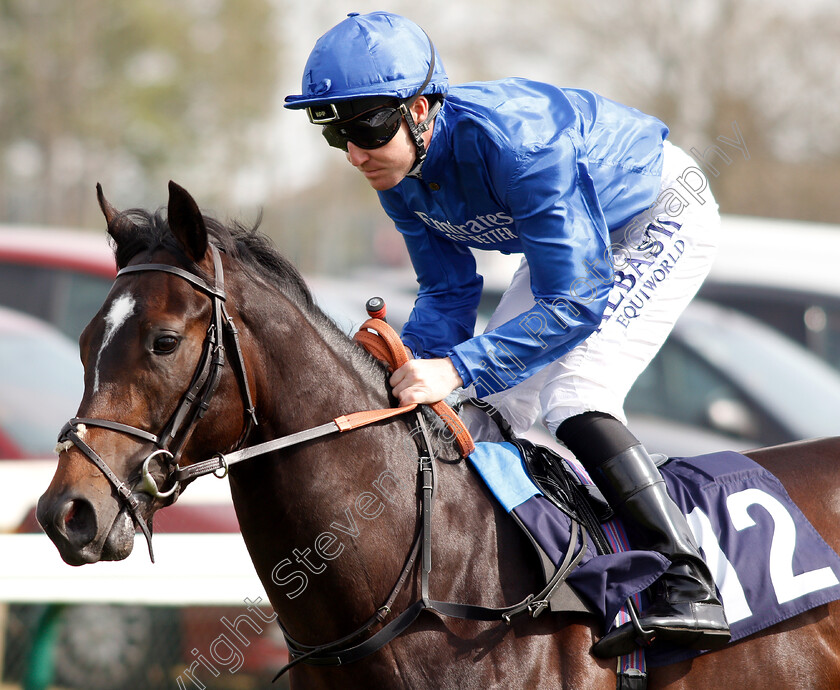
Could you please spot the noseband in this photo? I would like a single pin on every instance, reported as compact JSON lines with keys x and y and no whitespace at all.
{"x":195,"y":402}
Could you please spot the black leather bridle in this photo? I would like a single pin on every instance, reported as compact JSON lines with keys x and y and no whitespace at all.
{"x":170,"y":443}
{"x":194,"y":404}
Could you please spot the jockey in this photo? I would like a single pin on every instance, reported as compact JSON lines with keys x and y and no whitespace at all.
{"x":617,"y":228}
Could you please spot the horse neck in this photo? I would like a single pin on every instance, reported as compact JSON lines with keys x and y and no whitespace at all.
{"x":329,"y":524}
{"x":322,"y":516}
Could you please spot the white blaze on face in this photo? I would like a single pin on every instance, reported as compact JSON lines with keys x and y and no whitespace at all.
{"x":121,"y":309}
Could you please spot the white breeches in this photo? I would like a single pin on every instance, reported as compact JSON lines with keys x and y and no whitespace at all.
{"x":660,"y":259}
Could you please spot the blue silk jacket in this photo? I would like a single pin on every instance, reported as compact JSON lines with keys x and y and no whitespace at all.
{"x":521,"y":166}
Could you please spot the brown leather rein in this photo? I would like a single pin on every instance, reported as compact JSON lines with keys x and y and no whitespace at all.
{"x":378,"y":338}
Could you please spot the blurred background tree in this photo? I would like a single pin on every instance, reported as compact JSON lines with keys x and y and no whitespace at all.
{"x":130,"y":94}
{"x":701,"y":66}
{"x":134,"y":94}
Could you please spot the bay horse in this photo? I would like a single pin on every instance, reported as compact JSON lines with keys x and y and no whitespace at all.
{"x":329,"y":523}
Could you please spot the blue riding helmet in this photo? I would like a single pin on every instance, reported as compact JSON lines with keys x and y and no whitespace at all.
{"x":370,"y":55}
{"x":363,"y":61}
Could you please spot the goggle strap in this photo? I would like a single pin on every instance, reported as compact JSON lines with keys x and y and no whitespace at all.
{"x":417,"y":131}
{"x":433,"y":110}
{"x":428,"y":78}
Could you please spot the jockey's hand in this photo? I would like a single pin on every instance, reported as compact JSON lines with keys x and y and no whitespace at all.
{"x":425,"y":380}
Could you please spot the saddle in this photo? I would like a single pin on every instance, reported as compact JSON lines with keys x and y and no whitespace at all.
{"x":582,"y":503}
{"x":560,"y":485}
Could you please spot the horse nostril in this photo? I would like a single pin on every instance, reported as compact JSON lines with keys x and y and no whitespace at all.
{"x":69,"y":513}
{"x":78,"y":521}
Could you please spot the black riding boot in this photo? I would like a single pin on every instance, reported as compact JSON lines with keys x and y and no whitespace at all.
{"x":684,"y":608}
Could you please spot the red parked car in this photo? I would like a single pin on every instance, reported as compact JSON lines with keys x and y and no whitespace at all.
{"x":58,"y":276}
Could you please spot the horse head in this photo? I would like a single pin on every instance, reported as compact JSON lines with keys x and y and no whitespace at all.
{"x":153,"y":361}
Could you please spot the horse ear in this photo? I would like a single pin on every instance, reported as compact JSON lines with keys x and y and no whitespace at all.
{"x":186,"y":222}
{"x":109,"y":211}
{"x":119,"y":226}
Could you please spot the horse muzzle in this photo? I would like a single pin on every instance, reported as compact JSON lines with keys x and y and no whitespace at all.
{"x":81,"y":533}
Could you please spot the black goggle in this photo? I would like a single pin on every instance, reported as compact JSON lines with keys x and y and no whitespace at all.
{"x":367,"y":131}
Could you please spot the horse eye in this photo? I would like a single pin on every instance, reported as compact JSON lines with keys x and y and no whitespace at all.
{"x":165,"y":344}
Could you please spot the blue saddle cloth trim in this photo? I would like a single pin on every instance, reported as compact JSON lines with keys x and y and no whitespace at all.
{"x":502,"y":467}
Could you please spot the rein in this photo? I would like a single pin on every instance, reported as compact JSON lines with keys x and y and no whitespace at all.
{"x":383,"y":343}
{"x":378,"y":338}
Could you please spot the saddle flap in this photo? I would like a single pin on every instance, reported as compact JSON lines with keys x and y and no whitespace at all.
{"x":604,"y":581}
{"x":565,"y":599}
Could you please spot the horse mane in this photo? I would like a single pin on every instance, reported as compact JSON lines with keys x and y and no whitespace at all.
{"x":258,"y":256}
{"x":251,"y":246}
